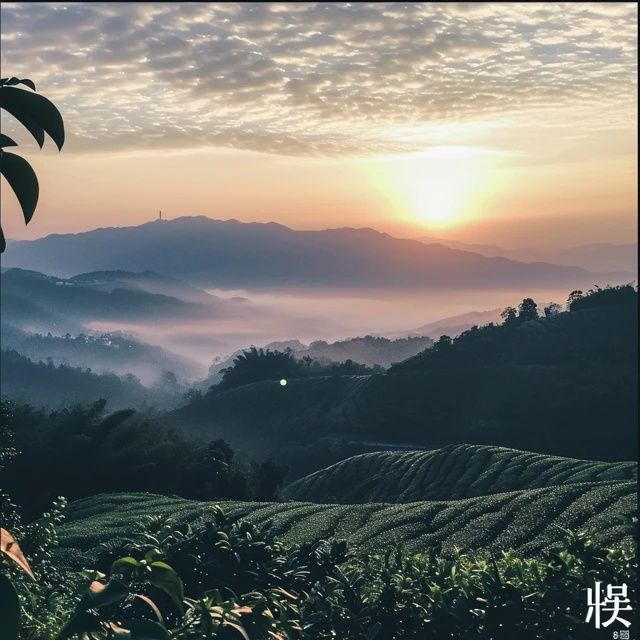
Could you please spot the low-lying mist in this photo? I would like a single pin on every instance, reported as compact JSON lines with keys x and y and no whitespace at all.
{"x":308,"y":315}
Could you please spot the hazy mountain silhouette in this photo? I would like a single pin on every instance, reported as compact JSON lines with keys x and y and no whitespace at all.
{"x":35,"y":301}
{"x":234,"y":254}
{"x":452,"y":325}
{"x":114,"y":352}
{"x":148,"y":281}
{"x":595,"y":257}
{"x":23,"y":379}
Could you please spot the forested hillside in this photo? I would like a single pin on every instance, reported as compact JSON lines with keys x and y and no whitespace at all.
{"x":563,"y":385}
{"x":50,"y":385}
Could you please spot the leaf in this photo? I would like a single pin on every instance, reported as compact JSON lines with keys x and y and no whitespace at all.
{"x":165,"y":578}
{"x":9,"y":610}
{"x":28,"y":83}
{"x":33,"y":110}
{"x":153,"y":555}
{"x":101,"y":595}
{"x":287,"y":594}
{"x":9,"y":546}
{"x":6,"y":141}
{"x":22,"y":179}
{"x":126,"y":563}
{"x":80,"y":623}
{"x":244,"y":610}
{"x":33,"y":127}
{"x":148,"y":601}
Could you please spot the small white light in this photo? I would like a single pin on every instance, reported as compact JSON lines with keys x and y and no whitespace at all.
{"x":283,"y":383}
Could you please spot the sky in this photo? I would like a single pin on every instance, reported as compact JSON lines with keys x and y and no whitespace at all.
{"x":504,"y":123}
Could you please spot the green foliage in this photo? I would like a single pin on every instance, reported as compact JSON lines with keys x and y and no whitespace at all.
{"x":255,"y":365}
{"x":557,"y":339}
{"x":44,"y":601}
{"x":39,"y":116}
{"x":622,"y":295}
{"x":237,"y":580}
{"x":547,"y":385}
{"x":527,"y":310}
{"x":258,"y":364}
{"x":50,"y":385}
{"x":521,"y":520}
{"x":82,"y":450}
{"x":9,"y":610}
{"x":453,"y":472}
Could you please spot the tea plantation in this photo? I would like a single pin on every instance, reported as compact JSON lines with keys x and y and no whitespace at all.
{"x":452,"y":472}
{"x":527,"y":521}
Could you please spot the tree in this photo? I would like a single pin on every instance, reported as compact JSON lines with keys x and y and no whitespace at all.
{"x":509,"y":316}
{"x":552,"y":310}
{"x":444,"y":342}
{"x":574,"y":296}
{"x":527,"y":310}
{"x":260,"y":364}
{"x":39,"y":116}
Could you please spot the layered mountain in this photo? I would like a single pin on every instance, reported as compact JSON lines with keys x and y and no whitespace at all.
{"x":115,"y":352}
{"x":35,"y":301}
{"x":597,"y":256}
{"x":233,"y":254}
{"x":452,"y":325}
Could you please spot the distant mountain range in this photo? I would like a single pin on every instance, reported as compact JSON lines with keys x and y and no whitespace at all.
{"x":35,"y":301}
{"x":452,"y":325}
{"x":232,"y":254}
{"x":147,"y":281}
{"x":49,"y":317}
{"x":594,"y":257}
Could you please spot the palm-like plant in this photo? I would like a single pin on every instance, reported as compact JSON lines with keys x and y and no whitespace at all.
{"x":39,"y":115}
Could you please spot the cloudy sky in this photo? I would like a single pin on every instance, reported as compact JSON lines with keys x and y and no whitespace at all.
{"x":512,"y":123}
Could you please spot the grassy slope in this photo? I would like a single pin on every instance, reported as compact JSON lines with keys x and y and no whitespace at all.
{"x":523,"y":520}
{"x":453,"y":472}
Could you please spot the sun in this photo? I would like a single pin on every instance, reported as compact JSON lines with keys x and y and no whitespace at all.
{"x":437,"y":188}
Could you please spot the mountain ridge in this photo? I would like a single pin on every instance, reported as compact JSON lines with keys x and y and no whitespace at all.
{"x":233,"y":254}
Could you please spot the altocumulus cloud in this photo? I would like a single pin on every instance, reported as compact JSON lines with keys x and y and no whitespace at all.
{"x":318,"y":78}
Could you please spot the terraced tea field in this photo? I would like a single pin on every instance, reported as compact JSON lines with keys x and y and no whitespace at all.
{"x":453,"y":472}
{"x":527,"y":520}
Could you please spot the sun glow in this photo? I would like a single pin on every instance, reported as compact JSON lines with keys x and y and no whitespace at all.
{"x":439,"y":187}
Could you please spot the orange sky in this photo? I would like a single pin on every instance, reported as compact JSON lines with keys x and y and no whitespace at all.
{"x":513,"y":125}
